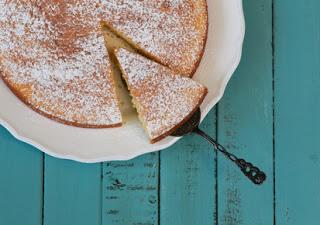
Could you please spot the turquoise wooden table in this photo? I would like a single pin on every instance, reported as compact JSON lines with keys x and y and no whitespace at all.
{"x":269,"y":115}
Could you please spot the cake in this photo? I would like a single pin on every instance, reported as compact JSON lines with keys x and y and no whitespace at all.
{"x":164,"y":99}
{"x":54,"y":58}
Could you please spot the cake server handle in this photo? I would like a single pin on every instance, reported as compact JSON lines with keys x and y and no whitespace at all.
{"x":248,"y":169}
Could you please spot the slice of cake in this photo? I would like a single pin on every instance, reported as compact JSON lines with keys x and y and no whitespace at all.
{"x":164,"y":100}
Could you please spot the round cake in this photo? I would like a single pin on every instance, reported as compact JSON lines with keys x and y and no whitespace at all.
{"x":53,"y":54}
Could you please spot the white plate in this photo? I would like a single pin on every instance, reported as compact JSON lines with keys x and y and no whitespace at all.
{"x":222,"y":56}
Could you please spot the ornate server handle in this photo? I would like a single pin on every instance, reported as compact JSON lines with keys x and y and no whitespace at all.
{"x":248,"y":169}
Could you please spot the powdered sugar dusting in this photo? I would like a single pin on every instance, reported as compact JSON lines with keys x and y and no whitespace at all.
{"x":164,"y":99}
{"x":52,"y":53}
{"x":172,"y":31}
{"x":56,"y":49}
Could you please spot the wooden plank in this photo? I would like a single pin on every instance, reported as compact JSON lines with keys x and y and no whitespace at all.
{"x":245,"y":118}
{"x":20,"y":182}
{"x":72,"y":193}
{"x":130,"y":191}
{"x":297,"y":110}
{"x":188,"y":180}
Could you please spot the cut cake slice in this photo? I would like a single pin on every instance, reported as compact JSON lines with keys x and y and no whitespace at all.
{"x":164,"y":100}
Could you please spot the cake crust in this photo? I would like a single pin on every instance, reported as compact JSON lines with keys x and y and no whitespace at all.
{"x":171,"y":131}
{"x":21,"y":97}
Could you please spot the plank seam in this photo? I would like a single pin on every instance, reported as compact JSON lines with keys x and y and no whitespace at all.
{"x":216,"y":169}
{"x":273,"y":110}
{"x":43,"y":189}
{"x":159,"y":188}
{"x":101,"y":193}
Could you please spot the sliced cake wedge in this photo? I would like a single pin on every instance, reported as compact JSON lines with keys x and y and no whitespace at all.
{"x":164,"y":100}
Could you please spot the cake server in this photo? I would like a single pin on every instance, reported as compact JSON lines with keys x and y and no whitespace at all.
{"x":252,"y":172}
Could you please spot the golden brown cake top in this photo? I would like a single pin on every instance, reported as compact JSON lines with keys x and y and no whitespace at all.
{"x":52,"y":55}
{"x":163,"y":98}
{"x":172,"y":32}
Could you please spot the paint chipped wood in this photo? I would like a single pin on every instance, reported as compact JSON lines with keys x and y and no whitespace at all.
{"x":188,"y":180}
{"x":71,"y":189}
{"x":21,"y":180}
{"x":245,"y":119}
{"x":190,"y":189}
{"x":130,"y":191}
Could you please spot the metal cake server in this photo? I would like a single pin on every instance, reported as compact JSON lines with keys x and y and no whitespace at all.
{"x":248,"y":169}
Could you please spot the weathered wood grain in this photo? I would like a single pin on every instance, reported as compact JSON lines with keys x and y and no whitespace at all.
{"x":245,"y":119}
{"x":297,"y":111}
{"x":72,"y":193}
{"x":130,"y":191}
{"x":20,"y":182}
{"x":188,"y":181}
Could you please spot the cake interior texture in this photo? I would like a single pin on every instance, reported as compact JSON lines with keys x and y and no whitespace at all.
{"x":113,"y":42}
